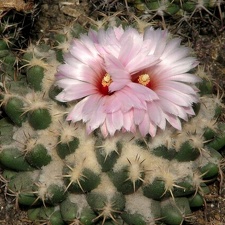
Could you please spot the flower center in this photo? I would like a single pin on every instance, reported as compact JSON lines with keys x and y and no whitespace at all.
{"x":104,"y":86}
{"x":144,"y":79}
{"x":106,"y":81}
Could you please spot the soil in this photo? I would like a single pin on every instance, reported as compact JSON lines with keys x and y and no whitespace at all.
{"x":203,"y":32}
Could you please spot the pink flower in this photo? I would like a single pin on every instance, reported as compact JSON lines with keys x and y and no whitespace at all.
{"x":87,"y":76}
{"x":172,"y":83}
{"x":123,"y":80}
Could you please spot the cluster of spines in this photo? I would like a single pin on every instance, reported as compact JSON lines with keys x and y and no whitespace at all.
{"x":173,"y":6}
{"x":178,"y":7}
{"x":16,"y":23}
{"x":35,"y":139}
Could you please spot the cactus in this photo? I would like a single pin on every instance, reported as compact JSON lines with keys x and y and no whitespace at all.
{"x":177,"y":7}
{"x":68,"y":177}
{"x":15,"y":31}
{"x":17,"y":20}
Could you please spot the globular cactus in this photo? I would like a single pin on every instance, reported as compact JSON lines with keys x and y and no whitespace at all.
{"x":178,"y":7}
{"x":69,"y":177}
{"x":17,"y":20}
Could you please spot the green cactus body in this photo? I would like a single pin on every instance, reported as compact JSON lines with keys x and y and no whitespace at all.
{"x":70,"y":177}
{"x":14,"y":109}
{"x":176,"y":8}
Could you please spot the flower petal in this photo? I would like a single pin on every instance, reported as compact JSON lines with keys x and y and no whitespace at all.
{"x":144,"y":125}
{"x":139,"y":115}
{"x":174,"y":121}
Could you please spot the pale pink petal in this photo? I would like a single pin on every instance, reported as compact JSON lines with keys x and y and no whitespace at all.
{"x":140,"y":62}
{"x":93,"y":102}
{"x":145,"y":93}
{"x":109,"y":124}
{"x":180,"y":87}
{"x":174,"y":121}
{"x":139,"y":115}
{"x":144,"y":125}
{"x":97,"y":118}
{"x":108,"y":42}
{"x":67,"y":82}
{"x":158,"y":40}
{"x":177,"y":96}
{"x":155,"y":113}
{"x":119,"y":31}
{"x":93,"y":35}
{"x":76,"y":113}
{"x":174,"y":97}
{"x":113,"y":103}
{"x":128,"y":122}
{"x":186,"y":77}
{"x":182,"y":66}
{"x":74,"y":92}
{"x":117,"y":119}
{"x":104,"y":130}
{"x":118,"y":73}
{"x":162,"y":124}
{"x":152,"y":129}
{"x":189,"y":110}
{"x":81,"y":73}
{"x":171,"y":46}
{"x":117,"y":85}
{"x":132,"y":43}
{"x":132,"y":99}
{"x":86,"y":58}
{"x":173,"y":57}
{"x":127,"y":101}
{"x":168,"y":107}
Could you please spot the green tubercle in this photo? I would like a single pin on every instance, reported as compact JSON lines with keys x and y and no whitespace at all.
{"x":13,"y":158}
{"x":187,"y":152}
{"x":40,"y":118}
{"x":14,"y":108}
{"x":155,"y":190}
{"x":64,"y":149}
{"x":35,"y":75}
{"x":38,"y":156}
{"x":175,"y":210}
{"x":79,"y":179}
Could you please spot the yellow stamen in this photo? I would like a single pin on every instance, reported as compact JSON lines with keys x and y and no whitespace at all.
{"x":144,"y":79}
{"x":106,"y":81}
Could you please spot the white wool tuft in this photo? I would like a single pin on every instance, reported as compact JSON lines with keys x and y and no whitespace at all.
{"x":85,"y":153}
{"x":80,"y":200}
{"x":137,"y":203}
{"x":106,"y":187}
{"x":51,"y":174}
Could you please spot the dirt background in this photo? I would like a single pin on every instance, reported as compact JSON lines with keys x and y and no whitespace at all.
{"x":204,"y":32}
